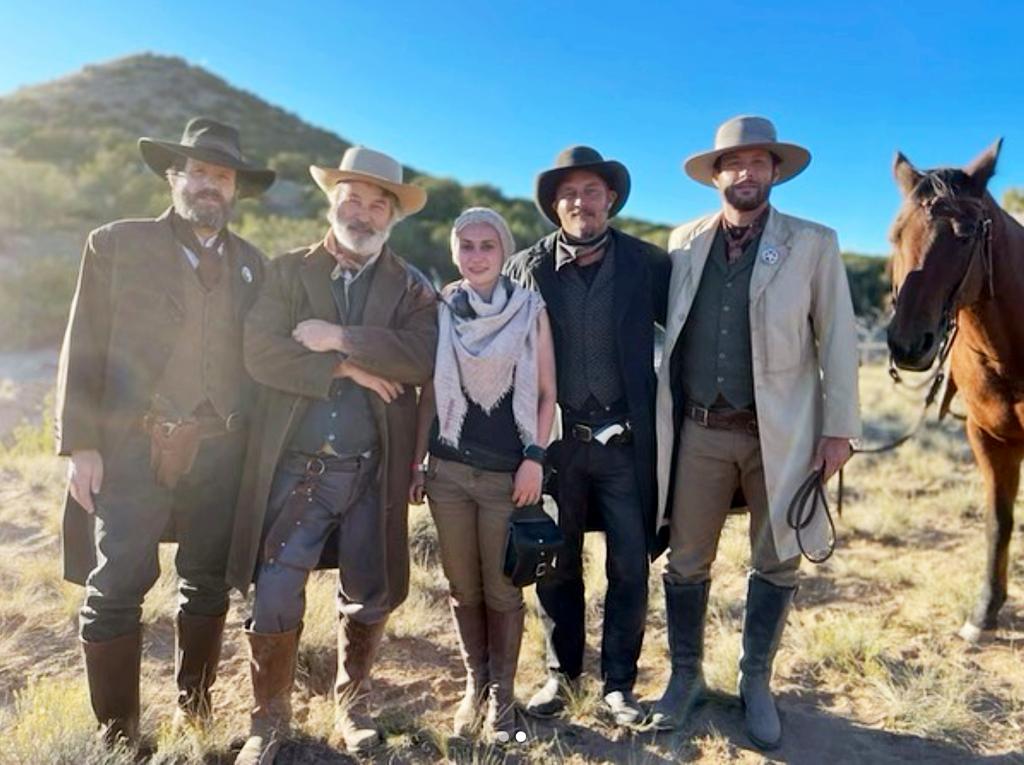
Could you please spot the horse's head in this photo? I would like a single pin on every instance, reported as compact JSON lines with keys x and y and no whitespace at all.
{"x":938,"y":262}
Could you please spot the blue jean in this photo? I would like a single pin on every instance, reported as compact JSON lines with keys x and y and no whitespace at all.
{"x":340,"y":506}
{"x":599,"y":480}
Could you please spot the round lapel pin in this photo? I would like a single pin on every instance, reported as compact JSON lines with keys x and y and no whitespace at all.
{"x":770,"y":256}
{"x":247,"y":274}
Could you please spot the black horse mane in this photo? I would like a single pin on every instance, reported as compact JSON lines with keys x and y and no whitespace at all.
{"x":943,"y":183}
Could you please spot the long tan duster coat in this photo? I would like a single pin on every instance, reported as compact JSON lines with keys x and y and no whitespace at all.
{"x":397,"y":340}
{"x":804,"y":349}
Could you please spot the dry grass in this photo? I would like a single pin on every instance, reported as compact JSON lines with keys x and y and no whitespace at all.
{"x":870,"y":669}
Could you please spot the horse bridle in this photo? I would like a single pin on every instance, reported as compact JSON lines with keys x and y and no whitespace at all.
{"x":981,"y":244}
{"x":811,"y":494}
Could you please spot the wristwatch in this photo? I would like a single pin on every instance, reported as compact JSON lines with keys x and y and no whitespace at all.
{"x":535,"y":453}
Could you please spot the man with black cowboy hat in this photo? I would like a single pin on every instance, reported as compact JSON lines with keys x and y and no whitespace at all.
{"x":343,"y":331}
{"x":604,"y":290}
{"x":757,"y":388}
{"x":152,"y":401}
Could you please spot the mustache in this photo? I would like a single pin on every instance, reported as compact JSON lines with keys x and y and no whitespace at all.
{"x":215,"y":196}
{"x":358,"y":227}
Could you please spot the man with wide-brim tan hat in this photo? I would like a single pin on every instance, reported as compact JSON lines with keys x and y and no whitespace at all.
{"x":757,"y":388}
{"x":340,"y":337}
{"x":152,"y":404}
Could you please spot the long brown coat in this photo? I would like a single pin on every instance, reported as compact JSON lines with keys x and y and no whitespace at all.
{"x":396,"y":340}
{"x":124,"y":320}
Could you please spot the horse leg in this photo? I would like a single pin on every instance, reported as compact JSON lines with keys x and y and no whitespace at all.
{"x":999,"y":462}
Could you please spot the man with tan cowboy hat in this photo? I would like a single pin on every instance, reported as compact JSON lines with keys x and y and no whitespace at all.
{"x":341,"y":334}
{"x":604,"y":292}
{"x":152,"y":402}
{"x":757,"y":388}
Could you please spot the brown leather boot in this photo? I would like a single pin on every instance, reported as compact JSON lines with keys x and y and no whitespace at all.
{"x":504,"y":635}
{"x":196,"y":656}
{"x":357,"y":647}
{"x":471,"y":628}
{"x":112,"y":668}
{"x":272,"y":664}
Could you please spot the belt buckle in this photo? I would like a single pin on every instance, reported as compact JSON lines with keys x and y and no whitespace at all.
{"x":702,"y":415}
{"x":583,"y":432}
{"x":167,"y":427}
{"x":315,"y":466}
{"x":233,"y":422}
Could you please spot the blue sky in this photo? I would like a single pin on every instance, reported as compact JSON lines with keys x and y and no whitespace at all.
{"x":490,"y":92}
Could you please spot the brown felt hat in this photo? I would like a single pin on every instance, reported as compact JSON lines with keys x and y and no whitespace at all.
{"x":210,"y":141}
{"x":614,"y":173}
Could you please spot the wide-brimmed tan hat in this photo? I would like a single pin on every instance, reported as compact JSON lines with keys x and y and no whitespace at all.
{"x":747,"y":132}
{"x":207,"y":140}
{"x":361,"y":164}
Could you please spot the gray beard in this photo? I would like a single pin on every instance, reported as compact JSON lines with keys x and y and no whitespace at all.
{"x":748,"y":204}
{"x":204,"y":214}
{"x":363,"y":245}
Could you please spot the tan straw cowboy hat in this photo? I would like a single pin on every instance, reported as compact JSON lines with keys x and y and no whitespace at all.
{"x":747,"y":132}
{"x":361,"y":164}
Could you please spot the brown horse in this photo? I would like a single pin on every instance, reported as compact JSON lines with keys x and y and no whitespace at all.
{"x":958,"y":276}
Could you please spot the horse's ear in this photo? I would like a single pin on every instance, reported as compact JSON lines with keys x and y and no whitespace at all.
{"x":906,"y":176}
{"x":983,"y":167}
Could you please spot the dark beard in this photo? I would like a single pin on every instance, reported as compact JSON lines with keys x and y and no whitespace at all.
{"x":746,"y":204}
{"x":211,"y":216}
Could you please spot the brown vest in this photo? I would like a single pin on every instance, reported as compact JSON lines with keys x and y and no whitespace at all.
{"x":206,"y":363}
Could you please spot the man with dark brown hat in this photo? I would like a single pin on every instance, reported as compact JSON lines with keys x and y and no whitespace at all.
{"x":342,"y":333}
{"x":604,"y":290}
{"x":152,"y":402}
{"x":757,"y":388}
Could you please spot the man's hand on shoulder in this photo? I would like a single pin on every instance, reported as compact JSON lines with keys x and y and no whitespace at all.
{"x":318,"y":335}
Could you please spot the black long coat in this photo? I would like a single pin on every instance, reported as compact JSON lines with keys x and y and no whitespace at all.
{"x":642,"y":273}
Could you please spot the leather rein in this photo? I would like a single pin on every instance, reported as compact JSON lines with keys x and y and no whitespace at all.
{"x":812,"y":494}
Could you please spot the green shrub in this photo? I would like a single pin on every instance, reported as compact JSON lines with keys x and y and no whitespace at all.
{"x":35,"y":294}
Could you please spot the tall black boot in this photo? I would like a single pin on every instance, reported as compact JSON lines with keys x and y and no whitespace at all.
{"x":767,"y":607}
{"x":685,"y":609}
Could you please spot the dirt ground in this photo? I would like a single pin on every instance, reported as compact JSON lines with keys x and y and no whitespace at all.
{"x":870,"y":670}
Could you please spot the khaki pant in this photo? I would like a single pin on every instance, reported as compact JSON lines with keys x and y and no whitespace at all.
{"x":710,"y":466}
{"x":472,"y":509}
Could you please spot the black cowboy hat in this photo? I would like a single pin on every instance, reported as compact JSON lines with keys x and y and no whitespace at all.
{"x":210,"y":141}
{"x":614,"y":173}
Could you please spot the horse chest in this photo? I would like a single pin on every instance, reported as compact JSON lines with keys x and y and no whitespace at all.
{"x":994,"y":396}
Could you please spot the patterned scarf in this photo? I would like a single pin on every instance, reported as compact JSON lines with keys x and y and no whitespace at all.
{"x":481,"y":357}
{"x":738,"y":237}
{"x":568,"y":251}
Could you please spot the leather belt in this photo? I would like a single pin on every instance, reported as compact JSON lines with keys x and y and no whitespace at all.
{"x":314,"y":465}
{"x":723,"y":419}
{"x":209,"y":427}
{"x":586,"y":433}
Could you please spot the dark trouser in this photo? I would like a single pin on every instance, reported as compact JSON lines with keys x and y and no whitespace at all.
{"x":345,"y":499}
{"x":600,"y":480}
{"x":132,"y":513}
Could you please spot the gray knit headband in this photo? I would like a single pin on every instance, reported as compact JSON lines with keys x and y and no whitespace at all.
{"x":491,"y":218}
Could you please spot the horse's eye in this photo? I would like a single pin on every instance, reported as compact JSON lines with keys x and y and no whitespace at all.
{"x":964,"y":229}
